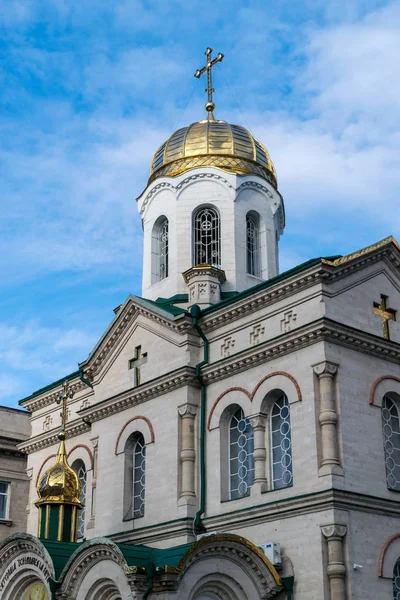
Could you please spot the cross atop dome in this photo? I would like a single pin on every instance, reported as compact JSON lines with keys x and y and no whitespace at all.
{"x":209,"y":89}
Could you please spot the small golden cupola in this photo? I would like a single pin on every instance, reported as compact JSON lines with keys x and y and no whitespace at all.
{"x":59,"y":493}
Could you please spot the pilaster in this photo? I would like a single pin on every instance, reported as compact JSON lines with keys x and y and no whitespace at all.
{"x":187,"y":414}
{"x":336,"y":569}
{"x":328,"y":418}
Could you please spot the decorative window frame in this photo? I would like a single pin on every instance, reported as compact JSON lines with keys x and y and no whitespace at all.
{"x":394,"y":398}
{"x":195,"y":216}
{"x":76,"y":466}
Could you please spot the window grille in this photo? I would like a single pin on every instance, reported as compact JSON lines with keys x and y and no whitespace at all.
{"x":391,"y":442}
{"x":253,"y":245}
{"x":396,"y":580}
{"x":281,"y":444}
{"x":4,"y":492}
{"x":80,"y":470}
{"x":162,"y":250}
{"x":207,"y":238}
{"x":241,"y":455}
{"x":139,"y":477}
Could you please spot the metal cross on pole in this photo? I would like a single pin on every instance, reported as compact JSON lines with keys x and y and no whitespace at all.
{"x":63,"y":397}
{"x":209,"y":89}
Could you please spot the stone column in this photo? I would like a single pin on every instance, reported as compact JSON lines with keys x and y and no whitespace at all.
{"x":328,"y":419}
{"x":187,"y":454}
{"x":258,"y":423}
{"x":336,"y":570}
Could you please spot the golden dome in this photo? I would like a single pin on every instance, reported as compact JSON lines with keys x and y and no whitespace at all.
{"x":212,"y":143}
{"x":59,"y":484}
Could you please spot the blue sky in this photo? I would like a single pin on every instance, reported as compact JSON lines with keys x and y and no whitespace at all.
{"x":91,"y":89}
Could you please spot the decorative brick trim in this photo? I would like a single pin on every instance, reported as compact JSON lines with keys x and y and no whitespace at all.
{"x":85,"y":448}
{"x":253,"y":393}
{"x":145,"y":419}
{"x":377,"y":382}
{"x":42,"y":465}
{"x":386,"y":545}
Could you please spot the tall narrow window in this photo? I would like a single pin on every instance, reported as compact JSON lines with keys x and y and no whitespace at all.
{"x":4,"y":493}
{"x":135,"y":476}
{"x":79,"y":468}
{"x":281,"y":444}
{"x":139,"y":477}
{"x":160,"y":250}
{"x":391,"y":441}
{"x":253,"y":244}
{"x":241,"y":455}
{"x":207,"y":237}
{"x":396,"y":580}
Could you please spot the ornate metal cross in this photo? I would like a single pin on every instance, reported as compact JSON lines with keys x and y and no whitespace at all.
{"x":139,"y":360}
{"x":63,"y":397}
{"x":209,"y":89}
{"x":386,"y":314}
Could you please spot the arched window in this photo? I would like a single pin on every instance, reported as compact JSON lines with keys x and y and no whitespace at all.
{"x":391,"y":442}
{"x":207,"y":237}
{"x":241,"y":455}
{"x":135,"y":476}
{"x":160,"y":250}
{"x":79,"y":467}
{"x":281,"y":444}
{"x":396,"y":580}
{"x":253,"y":244}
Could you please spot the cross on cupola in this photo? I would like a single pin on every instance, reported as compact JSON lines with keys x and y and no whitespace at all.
{"x":63,"y":397}
{"x":209,"y":89}
{"x":135,"y":363}
{"x":387,"y":314}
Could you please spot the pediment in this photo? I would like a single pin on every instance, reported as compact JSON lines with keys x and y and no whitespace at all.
{"x":138,"y":323}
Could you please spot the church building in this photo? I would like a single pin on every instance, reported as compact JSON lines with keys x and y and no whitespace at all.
{"x":235,"y":432}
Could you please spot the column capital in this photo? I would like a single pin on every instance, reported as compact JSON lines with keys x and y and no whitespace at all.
{"x":325,"y":369}
{"x":334,"y":530}
{"x":189,"y":410}
{"x":258,"y":421}
{"x":95,"y":441}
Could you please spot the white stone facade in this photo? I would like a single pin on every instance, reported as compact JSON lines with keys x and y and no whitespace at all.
{"x":311,"y":335}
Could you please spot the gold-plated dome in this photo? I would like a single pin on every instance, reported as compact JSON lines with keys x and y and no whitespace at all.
{"x":60,"y":484}
{"x":212,"y":143}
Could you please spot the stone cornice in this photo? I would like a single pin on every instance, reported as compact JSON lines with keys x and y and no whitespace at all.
{"x":325,"y":272}
{"x":331,"y":499}
{"x":323,"y":329}
{"x":46,"y":399}
{"x":50,"y":438}
{"x":156,"y":387}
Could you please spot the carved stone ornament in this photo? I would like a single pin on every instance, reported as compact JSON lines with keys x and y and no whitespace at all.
{"x":258,"y":421}
{"x":334,"y":530}
{"x":187,"y":410}
{"x":325,"y":368}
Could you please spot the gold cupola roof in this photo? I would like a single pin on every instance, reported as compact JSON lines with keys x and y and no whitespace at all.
{"x":213,"y":143}
{"x":59,"y":484}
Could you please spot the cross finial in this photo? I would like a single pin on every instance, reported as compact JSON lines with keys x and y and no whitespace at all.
{"x":209,"y":89}
{"x":63,"y":397}
{"x":386,"y":314}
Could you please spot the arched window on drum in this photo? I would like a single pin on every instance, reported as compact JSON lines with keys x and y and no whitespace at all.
{"x":281,"y":444}
{"x":79,"y":467}
{"x":207,"y":237}
{"x":241,"y":455}
{"x":160,"y":250}
{"x":391,"y":441}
